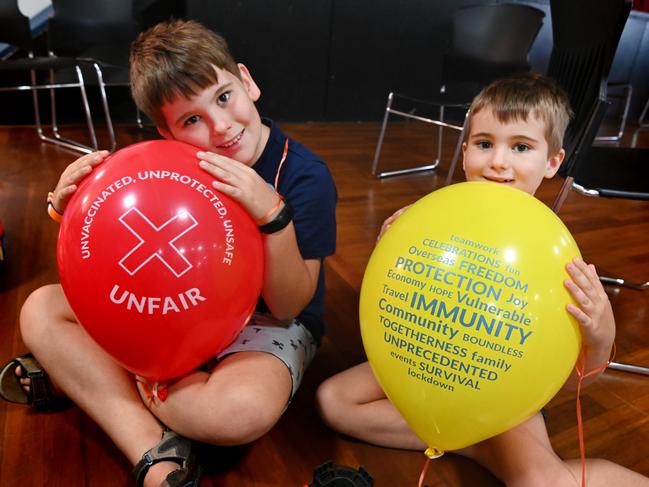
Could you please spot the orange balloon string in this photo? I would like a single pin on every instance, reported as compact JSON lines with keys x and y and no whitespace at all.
{"x":581,"y":375}
{"x":423,"y":472}
{"x":431,"y":453}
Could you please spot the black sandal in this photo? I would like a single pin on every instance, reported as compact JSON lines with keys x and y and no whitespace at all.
{"x":40,"y":394}
{"x":172,"y":448}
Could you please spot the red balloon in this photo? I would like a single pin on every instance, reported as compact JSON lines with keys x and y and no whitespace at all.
{"x":160,"y":269}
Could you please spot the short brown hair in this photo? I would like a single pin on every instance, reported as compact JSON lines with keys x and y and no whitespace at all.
{"x":518,"y":96}
{"x":175,"y":58}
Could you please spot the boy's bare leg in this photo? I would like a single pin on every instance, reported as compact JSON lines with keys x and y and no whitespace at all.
{"x":353,"y":403}
{"x":88,"y":376}
{"x":237,"y":403}
{"x":523,"y":457}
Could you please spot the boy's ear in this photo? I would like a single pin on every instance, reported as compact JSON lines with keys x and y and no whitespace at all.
{"x":554,"y":163}
{"x":165,"y":133}
{"x":464,"y":146}
{"x":251,"y":87}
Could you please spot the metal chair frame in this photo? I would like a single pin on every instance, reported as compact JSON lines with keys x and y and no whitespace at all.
{"x":56,"y":137}
{"x":503,"y":57}
{"x":628,"y":93}
{"x":592,"y":114}
{"x":16,"y":32}
{"x":439,"y":123}
{"x":641,"y":120}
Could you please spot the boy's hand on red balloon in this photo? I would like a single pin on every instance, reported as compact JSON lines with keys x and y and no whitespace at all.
{"x":73,"y":175}
{"x":240,"y":182}
{"x":593,"y":312}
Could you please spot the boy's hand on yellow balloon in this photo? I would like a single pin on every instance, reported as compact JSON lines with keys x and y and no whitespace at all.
{"x":592,"y":311}
{"x":390,"y":220}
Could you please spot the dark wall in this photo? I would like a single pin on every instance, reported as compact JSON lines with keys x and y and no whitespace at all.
{"x":381,"y":47}
{"x":286,"y":50}
{"x":333,"y":59}
{"x":338,"y":59}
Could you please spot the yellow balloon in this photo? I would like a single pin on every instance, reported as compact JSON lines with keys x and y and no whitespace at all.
{"x":462,"y":312}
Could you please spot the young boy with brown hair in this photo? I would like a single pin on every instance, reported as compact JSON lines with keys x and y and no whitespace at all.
{"x":184,"y":78}
{"x":515,"y":137}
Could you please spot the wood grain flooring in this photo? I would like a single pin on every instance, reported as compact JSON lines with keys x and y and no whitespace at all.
{"x":67,"y":449}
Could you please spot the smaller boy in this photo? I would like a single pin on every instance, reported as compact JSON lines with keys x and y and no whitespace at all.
{"x":515,"y":138}
{"x":184,"y":78}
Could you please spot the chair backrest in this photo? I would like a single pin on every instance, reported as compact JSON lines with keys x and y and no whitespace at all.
{"x":585,"y":37}
{"x":490,"y":41}
{"x":78,"y":24}
{"x":14,"y":26}
{"x":501,"y":33}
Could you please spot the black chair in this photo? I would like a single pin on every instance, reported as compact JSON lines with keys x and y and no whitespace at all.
{"x":488,"y":42}
{"x":15,"y":30}
{"x":101,"y":30}
{"x":581,"y":58}
{"x":643,"y":121}
{"x":621,"y":90}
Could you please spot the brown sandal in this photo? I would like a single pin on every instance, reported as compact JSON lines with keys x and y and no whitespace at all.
{"x":40,"y":394}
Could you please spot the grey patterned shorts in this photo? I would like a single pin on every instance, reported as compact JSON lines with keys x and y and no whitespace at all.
{"x":292,"y":344}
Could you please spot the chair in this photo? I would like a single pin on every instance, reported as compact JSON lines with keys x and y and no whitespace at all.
{"x":641,"y":121}
{"x":15,"y":30}
{"x":625,"y":93}
{"x":581,"y":59}
{"x":488,"y":41}
{"x":101,"y":30}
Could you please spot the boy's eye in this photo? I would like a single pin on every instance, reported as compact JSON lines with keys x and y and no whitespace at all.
{"x":191,"y":120}
{"x":521,"y":147}
{"x":483,"y":144}
{"x":224,"y":97}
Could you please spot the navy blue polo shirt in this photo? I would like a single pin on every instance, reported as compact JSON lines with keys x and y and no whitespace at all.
{"x":305,"y":181}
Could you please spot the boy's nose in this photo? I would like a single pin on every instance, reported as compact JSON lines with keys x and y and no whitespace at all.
{"x":500,"y":159}
{"x":220,"y":125}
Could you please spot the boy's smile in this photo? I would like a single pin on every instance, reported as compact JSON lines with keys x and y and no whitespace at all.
{"x":221,"y":118}
{"x":513,"y":153}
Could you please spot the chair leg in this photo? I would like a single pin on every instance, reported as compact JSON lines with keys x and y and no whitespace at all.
{"x":104,"y":102}
{"x":458,"y":148}
{"x":58,"y":139}
{"x":411,"y":170}
{"x":379,"y":145}
{"x":37,"y":108}
{"x":641,"y":120}
{"x":563,"y":194}
{"x":64,"y":141}
{"x":625,"y":113}
{"x":616,"y":281}
{"x":440,"y":133}
{"x":635,"y":369}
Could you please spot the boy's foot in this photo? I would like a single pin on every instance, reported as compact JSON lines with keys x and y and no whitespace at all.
{"x":154,"y":468}
{"x":23,"y":381}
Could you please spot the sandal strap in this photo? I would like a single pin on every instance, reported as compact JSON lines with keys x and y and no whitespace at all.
{"x":41,"y":396}
{"x":171,"y":448}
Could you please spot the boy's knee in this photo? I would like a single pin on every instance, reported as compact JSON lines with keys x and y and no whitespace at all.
{"x":242,"y":417}
{"x":31,"y":315}
{"x":329,"y":401}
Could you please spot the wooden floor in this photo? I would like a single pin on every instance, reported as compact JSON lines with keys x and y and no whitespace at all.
{"x":67,"y":449}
